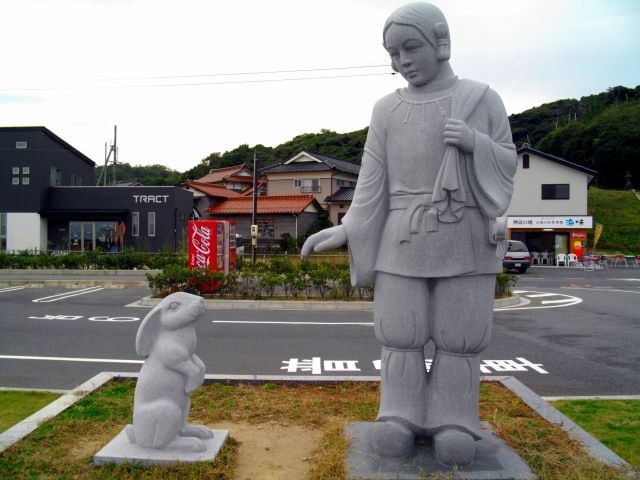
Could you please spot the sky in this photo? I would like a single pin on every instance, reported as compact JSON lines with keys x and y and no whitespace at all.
{"x":183,"y":79}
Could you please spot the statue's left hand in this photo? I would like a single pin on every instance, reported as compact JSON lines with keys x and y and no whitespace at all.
{"x":327,"y":239}
{"x":458,"y":134}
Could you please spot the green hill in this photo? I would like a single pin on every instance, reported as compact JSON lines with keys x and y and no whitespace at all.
{"x":600,"y":131}
{"x":618,"y":211}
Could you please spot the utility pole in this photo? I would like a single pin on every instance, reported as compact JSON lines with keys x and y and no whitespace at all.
{"x":113,"y":149}
{"x":115,"y":152}
{"x":254,"y":225}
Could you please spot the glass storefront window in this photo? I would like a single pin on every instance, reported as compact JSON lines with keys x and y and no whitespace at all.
{"x":88,"y":236}
{"x":75,"y":236}
{"x":105,"y":238}
{"x":85,"y":236}
{"x":3,"y":231}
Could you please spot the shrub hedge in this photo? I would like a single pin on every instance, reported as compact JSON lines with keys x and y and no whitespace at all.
{"x":279,"y":277}
{"x":274,"y":277}
{"x":127,"y":260}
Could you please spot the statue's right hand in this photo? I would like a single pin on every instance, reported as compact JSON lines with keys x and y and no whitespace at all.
{"x":327,"y":239}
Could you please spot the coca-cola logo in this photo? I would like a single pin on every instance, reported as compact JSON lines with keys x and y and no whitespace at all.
{"x":200,"y":246}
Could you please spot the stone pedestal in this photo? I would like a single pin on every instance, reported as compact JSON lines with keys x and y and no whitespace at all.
{"x":121,"y":450}
{"x":494,"y":460}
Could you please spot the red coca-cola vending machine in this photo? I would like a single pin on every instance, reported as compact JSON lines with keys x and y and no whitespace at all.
{"x":212,"y":245}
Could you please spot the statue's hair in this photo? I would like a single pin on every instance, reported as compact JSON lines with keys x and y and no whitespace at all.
{"x":428,"y":20}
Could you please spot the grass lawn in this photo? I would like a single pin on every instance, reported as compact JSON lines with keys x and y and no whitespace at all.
{"x":64,"y":446}
{"x":616,"y":423}
{"x":16,"y":405}
{"x":619,"y":213}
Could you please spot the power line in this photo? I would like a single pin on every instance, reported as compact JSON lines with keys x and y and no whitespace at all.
{"x":266,"y":72}
{"x":224,"y":82}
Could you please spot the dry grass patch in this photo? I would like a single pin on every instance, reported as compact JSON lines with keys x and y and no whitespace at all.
{"x":548,"y":449}
{"x":278,"y":430}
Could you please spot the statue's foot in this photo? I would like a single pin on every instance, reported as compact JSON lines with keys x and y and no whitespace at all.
{"x":192,"y":444}
{"x":453,"y":447}
{"x":391,"y":439}
{"x":199,"y":431}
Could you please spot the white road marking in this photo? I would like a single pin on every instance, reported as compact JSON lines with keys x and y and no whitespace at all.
{"x":603,"y":289}
{"x":366,"y":324}
{"x":11,"y":289}
{"x":69,"y":359}
{"x":65,"y":295}
{"x":592,"y":397}
{"x":563,"y":301}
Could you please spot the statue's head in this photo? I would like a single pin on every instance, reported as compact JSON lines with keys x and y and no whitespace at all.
{"x":422,"y":20}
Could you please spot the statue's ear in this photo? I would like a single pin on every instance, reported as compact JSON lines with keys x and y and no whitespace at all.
{"x":443,"y":42}
{"x":148,"y":331}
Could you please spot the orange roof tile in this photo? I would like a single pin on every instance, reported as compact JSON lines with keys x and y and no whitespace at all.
{"x":266,"y":204}
{"x":239,"y":178}
{"x":211,"y":190}
{"x":217,"y":175}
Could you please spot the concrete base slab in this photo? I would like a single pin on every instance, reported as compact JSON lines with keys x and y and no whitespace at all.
{"x":494,"y":460}
{"x":121,"y":450}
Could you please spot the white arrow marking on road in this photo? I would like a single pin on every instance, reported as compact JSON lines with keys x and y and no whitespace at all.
{"x":564,"y":300}
{"x":62,"y":296}
{"x":69,"y":359}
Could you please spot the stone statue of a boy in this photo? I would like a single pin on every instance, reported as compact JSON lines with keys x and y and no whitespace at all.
{"x":437,"y":171}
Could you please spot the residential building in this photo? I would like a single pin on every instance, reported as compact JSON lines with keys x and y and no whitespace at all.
{"x":47,"y":202}
{"x":548,"y":211}
{"x":206,"y":195}
{"x":310,"y":172}
{"x":338,"y":204}
{"x":276,"y":215}
{"x":237,"y":178}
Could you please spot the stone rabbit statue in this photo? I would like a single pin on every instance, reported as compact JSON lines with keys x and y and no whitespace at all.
{"x":171,"y":371}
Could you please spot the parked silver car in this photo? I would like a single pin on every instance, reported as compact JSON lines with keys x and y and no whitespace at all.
{"x":517,"y":257}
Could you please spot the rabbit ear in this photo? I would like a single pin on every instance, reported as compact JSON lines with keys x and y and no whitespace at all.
{"x":148,"y":331}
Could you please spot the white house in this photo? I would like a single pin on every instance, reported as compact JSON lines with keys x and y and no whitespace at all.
{"x":548,"y":210}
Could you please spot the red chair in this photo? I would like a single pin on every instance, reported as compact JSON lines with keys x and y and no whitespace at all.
{"x":619,"y":260}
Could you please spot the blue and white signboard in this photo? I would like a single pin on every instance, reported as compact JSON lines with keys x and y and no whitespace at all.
{"x":550,"y":222}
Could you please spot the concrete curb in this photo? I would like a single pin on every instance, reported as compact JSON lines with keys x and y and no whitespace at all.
{"x":541,"y":407}
{"x":51,"y":272}
{"x":302,"y":305}
{"x":546,"y":411}
{"x":30,"y":277}
{"x":70,"y":283}
{"x":29,"y":424}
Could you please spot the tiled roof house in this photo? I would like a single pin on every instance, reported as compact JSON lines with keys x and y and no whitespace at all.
{"x":275,"y":215}
{"x":310,"y":172}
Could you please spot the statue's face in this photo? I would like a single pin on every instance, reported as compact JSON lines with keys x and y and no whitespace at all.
{"x":411,"y":54}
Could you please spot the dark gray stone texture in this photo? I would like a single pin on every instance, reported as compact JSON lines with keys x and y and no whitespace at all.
{"x":122,"y":450}
{"x":494,"y":460}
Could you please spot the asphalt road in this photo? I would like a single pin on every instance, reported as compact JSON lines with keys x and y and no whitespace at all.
{"x":574,"y":333}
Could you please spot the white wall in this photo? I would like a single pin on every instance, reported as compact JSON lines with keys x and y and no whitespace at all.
{"x":527,"y":194}
{"x":26,"y":231}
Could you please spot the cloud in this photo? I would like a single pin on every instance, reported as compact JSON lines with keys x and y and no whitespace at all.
{"x":6,"y":99}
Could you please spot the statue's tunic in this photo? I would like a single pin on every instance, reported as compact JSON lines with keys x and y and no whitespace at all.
{"x":421,"y":208}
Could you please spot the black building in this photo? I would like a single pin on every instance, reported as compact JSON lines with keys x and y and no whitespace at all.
{"x":47,"y":203}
